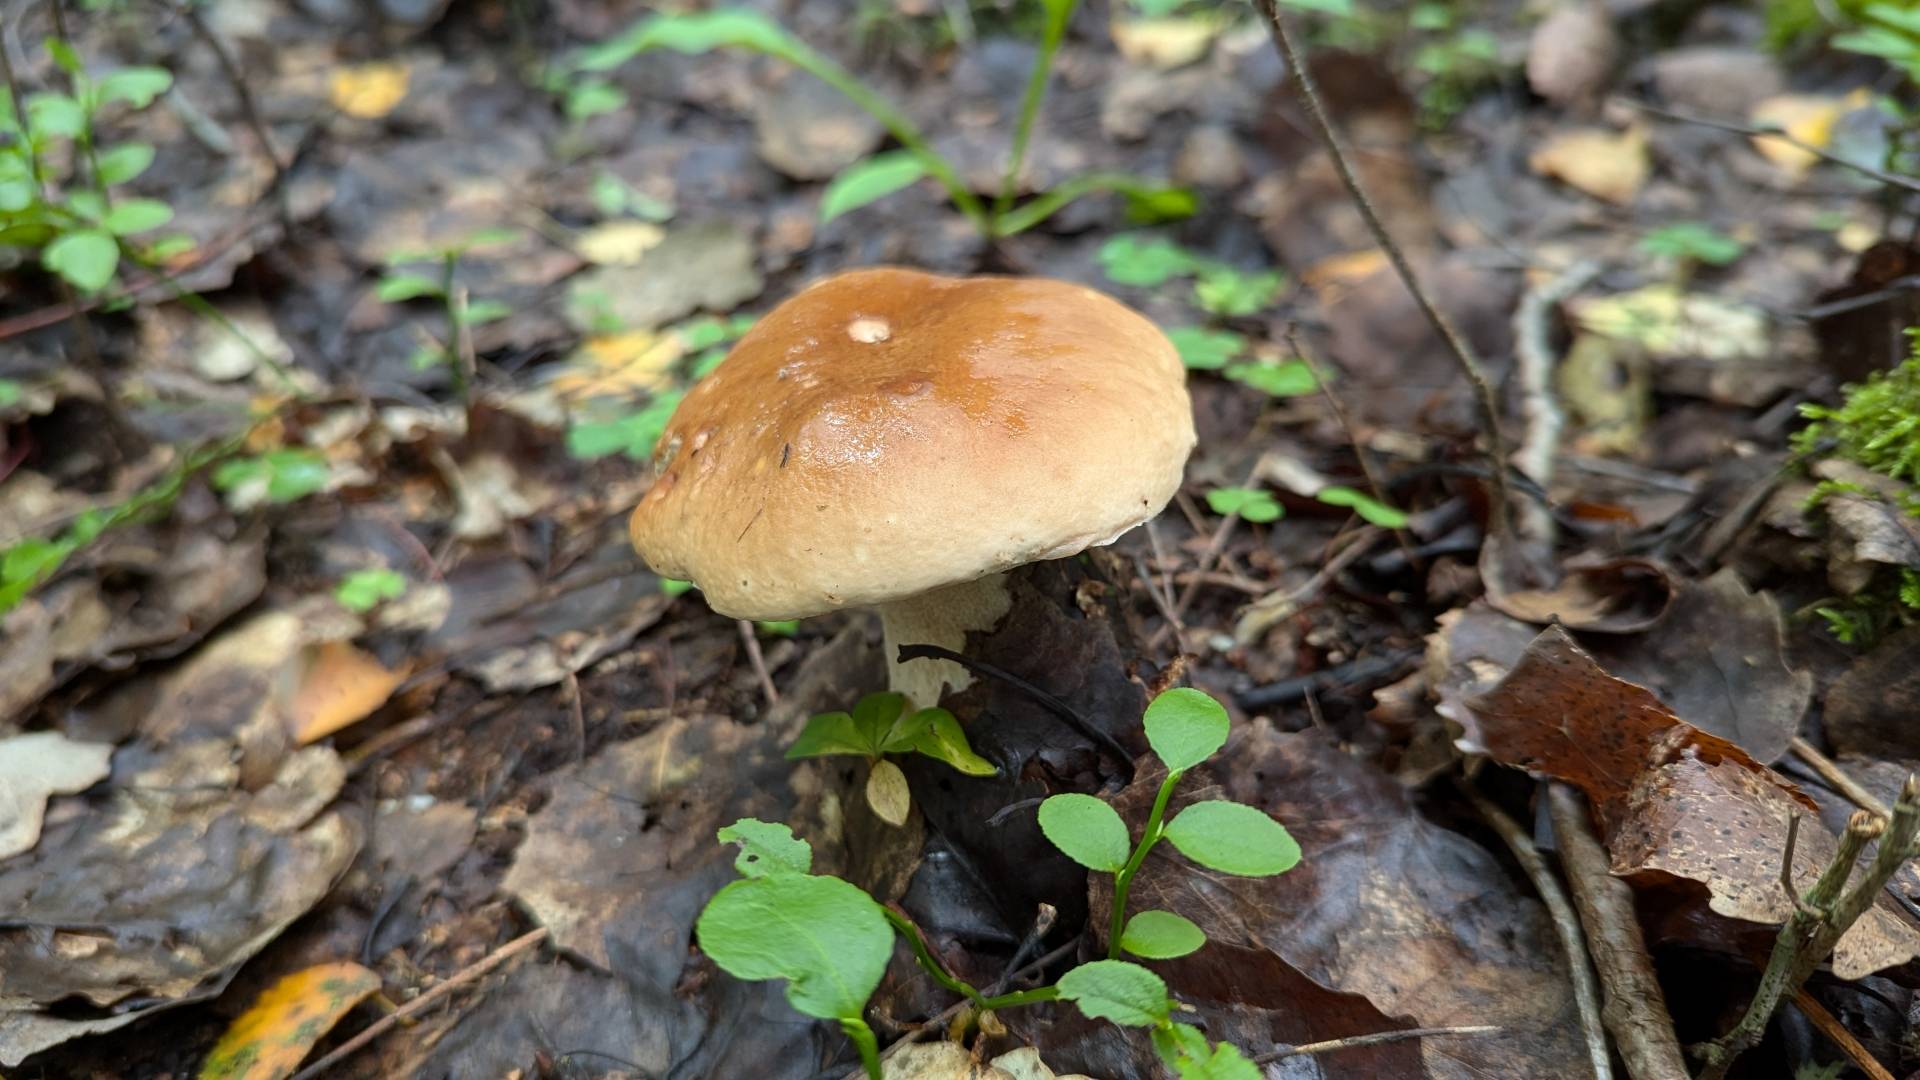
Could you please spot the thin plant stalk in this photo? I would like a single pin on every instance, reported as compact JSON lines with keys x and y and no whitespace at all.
{"x":864,"y":1041}
{"x":1022,"y":997}
{"x":925,"y":957}
{"x":1124,"y":879}
{"x":1059,"y":13}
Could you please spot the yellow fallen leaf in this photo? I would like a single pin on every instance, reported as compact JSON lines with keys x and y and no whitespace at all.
{"x":1810,"y":118}
{"x":340,"y":686}
{"x":1670,"y":323}
{"x":1164,"y":43}
{"x":368,"y":91}
{"x":1332,"y":277}
{"x":268,"y":1041}
{"x":618,"y":243}
{"x":621,"y":365}
{"x":1607,"y":165}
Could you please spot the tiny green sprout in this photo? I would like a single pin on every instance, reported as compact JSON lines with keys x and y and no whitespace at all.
{"x":277,"y":476}
{"x":780,"y":627}
{"x":1290,"y":379}
{"x":614,"y":197}
{"x":1223,"y":290}
{"x":364,"y":590}
{"x":1252,"y":504}
{"x":1202,"y":349}
{"x":1370,"y":509}
{"x":880,"y":725}
{"x":1692,"y":241}
{"x":634,"y":433}
{"x":674,"y":586}
{"x":10,"y":393}
{"x":1147,"y":261}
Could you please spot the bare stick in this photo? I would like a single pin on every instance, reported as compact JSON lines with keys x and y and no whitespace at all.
{"x":1837,"y":1033}
{"x":1377,"y":489}
{"x":229,"y":67}
{"x":759,"y":661}
{"x":1373,"y":1039}
{"x":1541,"y":407}
{"x":418,"y":1005}
{"x":1815,"y":926}
{"x":1632,"y":1004}
{"x":1463,"y":353}
{"x":1831,"y":772}
{"x":1586,"y":993}
{"x":1890,"y":179}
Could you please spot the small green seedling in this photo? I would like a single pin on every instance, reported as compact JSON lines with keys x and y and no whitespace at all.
{"x":1890,"y":32}
{"x":1290,"y":378}
{"x":881,"y":175}
{"x":1252,"y":504}
{"x":1148,"y":261}
{"x":607,"y":428}
{"x":398,"y":286}
{"x":831,"y":941}
{"x":616,"y":198}
{"x":1370,"y":509}
{"x":880,"y":725}
{"x":1689,"y":242}
{"x":364,"y":590}
{"x":1202,"y":349}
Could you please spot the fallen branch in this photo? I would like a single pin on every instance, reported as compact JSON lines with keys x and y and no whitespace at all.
{"x":1534,"y":354}
{"x":1837,"y":1033}
{"x":1632,"y":1004}
{"x":1831,"y":772}
{"x":1586,"y":993}
{"x":1373,"y":1039}
{"x":1752,"y":131}
{"x":418,"y":1005}
{"x":1818,"y":920}
{"x":1463,"y":354}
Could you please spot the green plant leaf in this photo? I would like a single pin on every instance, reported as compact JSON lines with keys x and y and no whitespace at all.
{"x":364,"y":590}
{"x":131,"y":216}
{"x":1138,"y":259}
{"x":674,"y":586}
{"x":831,"y":733}
{"x":1150,"y":204}
{"x":1185,"y":727}
{"x":88,"y":204}
{"x":867,"y":181}
{"x":881,"y":720}
{"x":823,"y":935}
{"x":779,"y":627}
{"x":85,"y":257}
{"x":1900,"y":17}
{"x":693,"y":33}
{"x":10,"y":393}
{"x":1291,"y":379}
{"x":767,"y":848}
{"x":636,"y":434}
{"x":1118,"y":991}
{"x":1174,"y":1041}
{"x":943,"y":739}
{"x":398,"y":288}
{"x":1233,"y":838}
{"x":1223,"y":1061}
{"x":480,"y":312}
{"x":1089,"y":831}
{"x":119,"y":164}
{"x":137,"y":86}
{"x":53,"y":115}
{"x":1693,"y":240}
{"x":63,"y":56}
{"x":1161,"y":935}
{"x":591,"y":98}
{"x":1368,"y":507}
{"x":1225,"y":291}
{"x":1252,"y":504}
{"x":1206,"y":350}
{"x":284,"y":475}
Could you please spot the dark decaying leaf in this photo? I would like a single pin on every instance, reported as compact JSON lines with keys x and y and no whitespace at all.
{"x":1383,"y":906}
{"x":1611,"y":596}
{"x":1672,"y":801}
{"x":1870,"y":710}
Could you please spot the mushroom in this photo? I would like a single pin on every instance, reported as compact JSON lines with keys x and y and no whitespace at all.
{"x":899,"y":440}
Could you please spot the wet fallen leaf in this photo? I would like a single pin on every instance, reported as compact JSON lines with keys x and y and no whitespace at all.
{"x":1672,"y":801}
{"x":35,"y":766}
{"x":1165,"y":43}
{"x":1809,"y":118}
{"x":368,"y":91}
{"x":1673,"y":323}
{"x":1870,"y":710}
{"x":618,"y":243}
{"x":270,"y":1039}
{"x":340,"y":686}
{"x":697,"y":267}
{"x":1607,"y":165}
{"x":1612,"y":596}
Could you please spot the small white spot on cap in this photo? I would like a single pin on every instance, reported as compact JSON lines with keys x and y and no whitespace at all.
{"x":868,"y":330}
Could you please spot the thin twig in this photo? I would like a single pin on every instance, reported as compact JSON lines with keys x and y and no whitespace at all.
{"x":1258,"y":616}
{"x":1752,"y":131}
{"x":1533,"y":352}
{"x":758,"y":660}
{"x":230,"y":68}
{"x":1586,"y":991}
{"x":1810,"y":932}
{"x":579,"y":710}
{"x":1831,"y":772}
{"x":1353,"y":1042}
{"x":940,"y":1021}
{"x":418,"y":1005}
{"x":1340,"y":413}
{"x":1837,"y":1033}
{"x":1633,"y":1006}
{"x":1463,"y":354}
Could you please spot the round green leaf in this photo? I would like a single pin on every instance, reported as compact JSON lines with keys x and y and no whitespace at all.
{"x":137,"y":86}
{"x":119,"y":164}
{"x":85,"y":257}
{"x":1089,"y":831}
{"x":1233,"y":838}
{"x":830,"y":733}
{"x":136,"y":216}
{"x":767,"y":847}
{"x":1118,"y":991}
{"x":868,"y":181}
{"x":1161,"y":935}
{"x":1186,"y":727}
{"x":823,"y":935}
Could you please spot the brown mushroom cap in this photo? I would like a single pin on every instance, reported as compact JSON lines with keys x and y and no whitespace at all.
{"x":887,"y":432}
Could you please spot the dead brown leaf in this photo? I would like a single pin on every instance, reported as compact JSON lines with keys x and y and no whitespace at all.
{"x":1571,"y":55}
{"x":1604,"y":596}
{"x":1608,"y":165}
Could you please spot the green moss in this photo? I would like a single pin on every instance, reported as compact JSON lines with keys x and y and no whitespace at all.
{"x":1877,"y":425}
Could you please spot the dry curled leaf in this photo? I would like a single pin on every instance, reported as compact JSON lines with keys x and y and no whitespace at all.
{"x":1611,"y":596}
{"x":1607,"y":165}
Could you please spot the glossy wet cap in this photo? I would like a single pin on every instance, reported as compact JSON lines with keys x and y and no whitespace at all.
{"x":886,"y":432}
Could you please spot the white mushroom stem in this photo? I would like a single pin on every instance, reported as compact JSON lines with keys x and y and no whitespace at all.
{"x":943,"y":617}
